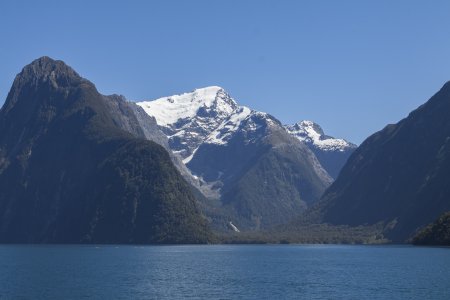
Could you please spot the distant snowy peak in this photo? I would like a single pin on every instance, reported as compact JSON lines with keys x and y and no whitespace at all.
{"x":189,"y":119}
{"x":312,"y":133}
{"x":204,"y":102}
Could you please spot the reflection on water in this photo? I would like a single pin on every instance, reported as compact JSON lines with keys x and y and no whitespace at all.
{"x":224,"y":272}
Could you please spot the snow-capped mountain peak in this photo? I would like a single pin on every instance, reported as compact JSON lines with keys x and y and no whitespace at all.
{"x":168,"y":110}
{"x":310,"y":126}
{"x":188,"y":119}
{"x":209,"y":116}
{"x":311,"y":133}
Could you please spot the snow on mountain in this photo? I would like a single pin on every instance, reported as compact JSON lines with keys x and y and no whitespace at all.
{"x":188,"y":119}
{"x":168,"y":110}
{"x":331,"y":152}
{"x":311,"y":133}
{"x":229,"y":126}
{"x":210,"y":116}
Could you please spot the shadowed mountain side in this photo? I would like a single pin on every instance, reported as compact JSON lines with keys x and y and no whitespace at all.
{"x":69,"y":173}
{"x":398,"y":176}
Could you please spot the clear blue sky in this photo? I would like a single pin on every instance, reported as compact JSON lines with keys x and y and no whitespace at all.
{"x":351,"y":66}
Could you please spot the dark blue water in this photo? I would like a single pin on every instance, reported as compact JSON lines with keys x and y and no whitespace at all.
{"x":224,"y":272}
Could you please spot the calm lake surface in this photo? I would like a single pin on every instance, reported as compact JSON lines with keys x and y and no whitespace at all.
{"x":224,"y":272}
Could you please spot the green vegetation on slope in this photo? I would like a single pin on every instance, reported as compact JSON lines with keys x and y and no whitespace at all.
{"x":436,"y":233}
{"x":70,"y":173}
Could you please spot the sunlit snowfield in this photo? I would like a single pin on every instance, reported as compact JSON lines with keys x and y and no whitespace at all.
{"x":224,"y":272}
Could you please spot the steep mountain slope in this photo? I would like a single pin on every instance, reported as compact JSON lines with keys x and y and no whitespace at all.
{"x":152,"y":132}
{"x":332,"y":153}
{"x":398,"y":176}
{"x":72,"y":169}
{"x":263,"y":176}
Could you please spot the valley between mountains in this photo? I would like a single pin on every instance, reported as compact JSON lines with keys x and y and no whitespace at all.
{"x":77,"y":166}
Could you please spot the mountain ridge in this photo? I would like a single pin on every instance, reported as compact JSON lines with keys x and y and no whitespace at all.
{"x":72,"y":172}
